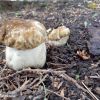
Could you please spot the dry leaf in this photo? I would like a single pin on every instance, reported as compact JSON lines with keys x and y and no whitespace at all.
{"x":83,"y":54}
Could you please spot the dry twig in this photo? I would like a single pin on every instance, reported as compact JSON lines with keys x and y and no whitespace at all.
{"x":97,"y":77}
{"x":89,"y":91}
{"x":41,"y":80}
{"x":70,"y":79}
{"x":21,"y":88}
{"x":56,"y":64}
{"x":14,"y":93}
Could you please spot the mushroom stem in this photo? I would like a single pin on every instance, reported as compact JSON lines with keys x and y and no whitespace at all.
{"x":18,"y":59}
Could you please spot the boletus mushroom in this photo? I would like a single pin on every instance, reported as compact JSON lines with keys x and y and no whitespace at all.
{"x":59,"y":36}
{"x":25,"y":43}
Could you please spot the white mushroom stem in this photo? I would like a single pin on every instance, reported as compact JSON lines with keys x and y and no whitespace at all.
{"x":18,"y":59}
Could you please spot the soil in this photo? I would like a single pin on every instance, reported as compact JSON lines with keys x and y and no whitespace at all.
{"x":76,"y":15}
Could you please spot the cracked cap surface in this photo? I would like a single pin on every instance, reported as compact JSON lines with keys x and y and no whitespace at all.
{"x":22,"y":34}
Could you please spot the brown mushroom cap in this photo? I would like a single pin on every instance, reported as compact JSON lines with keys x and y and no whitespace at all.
{"x":58,"y":33}
{"x":22,"y":34}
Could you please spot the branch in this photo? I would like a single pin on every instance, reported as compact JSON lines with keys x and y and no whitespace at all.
{"x":70,"y":79}
{"x":38,"y":71}
{"x":89,"y":91}
{"x":23,"y":87}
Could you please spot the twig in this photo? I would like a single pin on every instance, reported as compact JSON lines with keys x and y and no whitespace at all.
{"x":34,"y":71}
{"x":89,"y":91}
{"x":57,"y":94}
{"x":23,"y":87}
{"x":34,"y":81}
{"x":60,"y":58}
{"x":44,"y":90}
{"x":98,"y":77}
{"x":41,"y":80}
{"x":70,"y":79}
{"x":13,"y":94}
{"x":61,"y":68}
{"x":56,"y":64}
{"x":12,"y":84}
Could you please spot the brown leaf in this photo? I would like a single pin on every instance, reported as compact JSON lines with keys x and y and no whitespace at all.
{"x":83,"y":54}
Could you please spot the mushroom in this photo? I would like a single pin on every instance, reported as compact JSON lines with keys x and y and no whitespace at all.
{"x":25,"y":43}
{"x":59,"y":36}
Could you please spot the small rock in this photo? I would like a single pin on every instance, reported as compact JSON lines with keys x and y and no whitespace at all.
{"x":94,"y":43}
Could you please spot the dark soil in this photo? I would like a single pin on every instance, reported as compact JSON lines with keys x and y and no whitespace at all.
{"x":76,"y":15}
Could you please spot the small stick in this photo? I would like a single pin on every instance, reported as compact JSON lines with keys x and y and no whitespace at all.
{"x":12,"y":84}
{"x":13,"y":94}
{"x":61,"y":68}
{"x":34,"y":81}
{"x":60,"y":58}
{"x":70,"y":79}
{"x":41,"y":80}
{"x":98,"y":77}
{"x":23,"y":87}
{"x":89,"y":91}
{"x":56,"y":64}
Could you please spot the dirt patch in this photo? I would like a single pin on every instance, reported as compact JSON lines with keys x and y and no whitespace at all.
{"x":64,"y":72}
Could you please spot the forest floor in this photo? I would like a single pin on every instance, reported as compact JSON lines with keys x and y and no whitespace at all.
{"x":72,"y":71}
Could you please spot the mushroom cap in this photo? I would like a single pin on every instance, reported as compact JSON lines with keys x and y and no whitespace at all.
{"x":22,"y":34}
{"x":58,"y":33}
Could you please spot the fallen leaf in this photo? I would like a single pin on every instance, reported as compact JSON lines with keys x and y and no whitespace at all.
{"x":83,"y":54}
